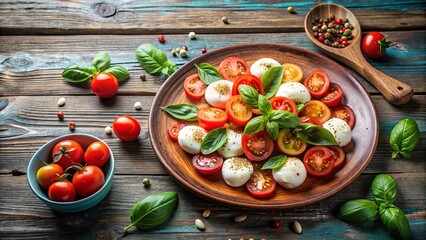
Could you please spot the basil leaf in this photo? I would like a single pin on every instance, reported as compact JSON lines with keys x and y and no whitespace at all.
{"x":119,"y":72}
{"x":404,"y":137}
{"x":272,"y":128}
{"x":77,"y":73}
{"x":208,"y":73}
{"x":275,"y":162}
{"x":153,"y":60}
{"x":249,"y":95}
{"x":271,"y":80}
{"x":214,"y":140}
{"x":315,"y":135}
{"x":255,"y":125}
{"x":285,"y":119}
{"x":153,"y":210}
{"x":359,"y":210}
{"x":300,"y":106}
{"x":182,"y":111}
{"x":395,"y":222}
{"x":101,"y":61}
{"x":264,"y":105}
{"x":384,"y":189}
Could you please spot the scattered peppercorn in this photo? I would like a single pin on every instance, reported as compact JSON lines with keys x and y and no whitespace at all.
{"x":290,"y":9}
{"x":183,"y":53}
{"x":60,"y":115}
{"x":146,"y":182}
{"x":203,"y":50}
{"x":137,"y":105}
{"x":161,"y":38}
{"x":71,"y":126}
{"x":225,"y":20}
{"x":276,"y":224}
{"x":173,"y":52}
{"x":177,"y":50}
{"x":61,"y":102}
{"x":108,"y":129}
{"x":142,"y":77}
{"x":332,"y":32}
{"x":192,"y":35}
{"x":185,"y":48}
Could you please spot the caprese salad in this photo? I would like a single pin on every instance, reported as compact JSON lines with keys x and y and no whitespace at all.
{"x":262,"y":125}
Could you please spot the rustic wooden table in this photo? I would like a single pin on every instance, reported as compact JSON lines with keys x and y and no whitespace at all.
{"x":40,"y":38}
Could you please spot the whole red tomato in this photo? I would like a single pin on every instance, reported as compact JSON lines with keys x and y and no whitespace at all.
{"x":61,"y":191}
{"x":49,"y":174}
{"x":374,"y":45}
{"x":97,"y":154}
{"x":104,"y":85}
{"x":88,"y":180}
{"x":67,"y":153}
{"x":126,"y":128}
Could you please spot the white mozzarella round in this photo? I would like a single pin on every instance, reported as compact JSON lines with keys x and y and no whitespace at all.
{"x":340,"y":130}
{"x":295,"y":91}
{"x":232,"y":147}
{"x":259,"y":67}
{"x":218,"y":93}
{"x":291,"y":175}
{"x":236,"y":171}
{"x":190,"y":138}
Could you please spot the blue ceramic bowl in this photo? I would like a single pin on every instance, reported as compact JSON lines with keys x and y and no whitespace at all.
{"x":45,"y":152}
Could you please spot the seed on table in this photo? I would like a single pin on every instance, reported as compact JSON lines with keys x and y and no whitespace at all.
{"x":183,"y":53}
{"x":146,"y":182}
{"x":199,"y":224}
{"x":60,"y":115}
{"x":297,"y":228}
{"x":108,"y":129}
{"x":206,"y":213}
{"x":137,"y":105}
{"x":173,"y":52}
{"x":240,"y":218}
{"x":290,"y":9}
{"x":142,"y":77}
{"x":225,"y":20}
{"x":61,"y":102}
{"x":203,"y":50}
{"x":71,"y":126}
{"x":185,"y":48}
{"x":192,"y":35}
{"x":177,"y":50}
{"x":161,"y":39}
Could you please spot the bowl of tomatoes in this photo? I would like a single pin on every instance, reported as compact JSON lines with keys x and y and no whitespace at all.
{"x":72,"y":173}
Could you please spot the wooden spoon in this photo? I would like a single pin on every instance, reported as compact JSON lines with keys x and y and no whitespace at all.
{"x":393,"y":90}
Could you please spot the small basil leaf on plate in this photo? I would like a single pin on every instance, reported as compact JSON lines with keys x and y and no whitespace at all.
{"x":271,"y":80}
{"x":384,"y":189}
{"x":264,"y":105}
{"x":272,"y":128}
{"x":285,"y":119}
{"x":214,"y":140}
{"x":77,"y":73}
{"x":101,"y":61}
{"x":249,"y":95}
{"x":208,"y":73}
{"x":404,"y":137}
{"x":275,"y":162}
{"x":119,"y":72}
{"x":182,"y":111}
{"x":300,"y":106}
{"x":315,"y":135}
{"x":395,"y":222}
{"x":255,"y":125}
{"x":359,"y":210}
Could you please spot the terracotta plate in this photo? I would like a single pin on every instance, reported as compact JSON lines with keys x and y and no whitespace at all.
{"x":178,"y":163}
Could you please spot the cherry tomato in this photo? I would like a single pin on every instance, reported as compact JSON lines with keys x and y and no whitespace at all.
{"x":257,"y":146}
{"x":88,"y":180}
{"x":126,"y":128}
{"x":284,"y":103}
{"x":207,"y":164}
{"x":316,"y":109}
{"x":292,"y":73}
{"x":194,"y":87}
{"x":61,"y":191}
{"x":317,"y":83}
{"x":211,"y":118}
{"x":247,"y":79}
{"x":261,"y":184}
{"x":174,"y":131}
{"x":289,"y":144}
{"x":374,"y":45}
{"x":49,"y":174}
{"x":67,"y":153}
{"x":97,"y":154}
{"x":345,"y":113}
{"x":334,"y":95}
{"x":338,"y":155}
{"x":310,"y":120}
{"x":237,"y":111}
{"x":104,"y":85}
{"x":233,"y":67}
{"x":318,"y":161}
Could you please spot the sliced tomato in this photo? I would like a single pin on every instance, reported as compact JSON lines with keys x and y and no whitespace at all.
{"x":310,"y":120}
{"x":284,"y":103}
{"x":174,"y":131}
{"x":317,"y":83}
{"x":338,"y":155}
{"x":289,"y":144}
{"x":318,"y":161}
{"x":334,"y":95}
{"x":247,"y":79}
{"x":211,"y":118}
{"x":237,"y":111}
{"x":345,"y":113}
{"x":194,"y":87}
{"x":207,"y":164}
{"x":316,"y":109}
{"x":233,"y":67}
{"x":257,"y":146}
{"x":261,"y":184}
{"x":292,"y":73}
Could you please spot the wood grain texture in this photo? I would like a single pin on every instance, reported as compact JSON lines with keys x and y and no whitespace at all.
{"x":180,"y":16}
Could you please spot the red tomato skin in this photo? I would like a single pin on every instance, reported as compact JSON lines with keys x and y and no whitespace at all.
{"x":97,"y":154}
{"x":235,"y":119}
{"x":194,"y":83}
{"x":126,"y":128}
{"x":371,"y":47}
{"x":75,"y":156}
{"x":317,"y":93}
{"x":61,"y":192}
{"x":310,"y":120}
{"x":264,"y":193}
{"x":277,"y":104}
{"x":49,"y":174}
{"x":88,"y":181}
{"x":334,"y":95}
{"x":268,"y":146}
{"x":344,"y":112}
{"x":174,"y":131}
{"x":207,"y":170}
{"x":339,"y":156}
{"x":206,"y":121}
{"x":236,"y":65}
{"x":104,"y":85}
{"x":247,"y":79}
{"x":324,"y":155}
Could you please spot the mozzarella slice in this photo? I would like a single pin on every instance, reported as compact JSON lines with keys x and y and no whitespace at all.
{"x":190,"y":138}
{"x":236,"y":171}
{"x":232,"y":147}
{"x":259,"y":67}
{"x":291,"y":175}
{"x":340,"y":130}
{"x":295,"y":91}
{"x":218,"y":93}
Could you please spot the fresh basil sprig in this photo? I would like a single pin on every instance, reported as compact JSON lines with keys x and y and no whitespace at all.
{"x":315,"y":135}
{"x":101,"y":61}
{"x":208,"y":73}
{"x":275,"y":162}
{"x":255,"y":125}
{"x":395,"y":221}
{"x":284,"y":119}
{"x":249,"y":95}
{"x":384,"y":189}
{"x":182,"y":111}
{"x":404,"y":137}
{"x":154,"y":61}
{"x":214,"y":140}
{"x":271,"y":80}
{"x":77,"y":73}
{"x":359,"y":210}
{"x":153,"y":210}
{"x":265,"y":106}
{"x":119,"y":72}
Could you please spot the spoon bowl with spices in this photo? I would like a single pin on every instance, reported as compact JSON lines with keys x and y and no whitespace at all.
{"x":336,"y":31}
